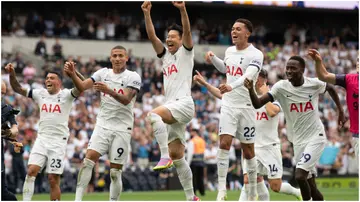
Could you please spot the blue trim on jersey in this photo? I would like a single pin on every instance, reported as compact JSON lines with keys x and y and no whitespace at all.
{"x":72,"y":94}
{"x":271,"y":97}
{"x":92,"y":79}
{"x":255,"y":66}
{"x":30,"y":93}
{"x":356,"y":135}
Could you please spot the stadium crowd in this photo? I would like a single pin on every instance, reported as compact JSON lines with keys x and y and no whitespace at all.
{"x":338,"y":55}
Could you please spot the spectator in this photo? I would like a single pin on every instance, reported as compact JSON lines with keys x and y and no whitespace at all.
{"x":57,"y":49}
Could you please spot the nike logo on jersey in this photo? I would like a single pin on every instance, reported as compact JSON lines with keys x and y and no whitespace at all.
{"x":288,"y":95}
{"x":247,"y":139}
{"x":106,"y":80}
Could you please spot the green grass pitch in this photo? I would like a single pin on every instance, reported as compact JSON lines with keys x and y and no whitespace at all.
{"x":340,"y":194}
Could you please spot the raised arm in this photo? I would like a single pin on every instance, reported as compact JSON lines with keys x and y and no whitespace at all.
{"x":186,"y":37}
{"x":212,"y":89}
{"x":15,"y":85}
{"x":332,"y":92}
{"x":80,"y":84}
{"x":321,"y":72}
{"x":257,"y":102}
{"x":219,"y":64}
{"x":156,"y":43}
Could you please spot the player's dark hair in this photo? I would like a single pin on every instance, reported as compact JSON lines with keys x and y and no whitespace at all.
{"x":299,"y":59}
{"x":176,"y":27}
{"x":54,"y":72}
{"x":119,"y":47}
{"x":247,"y":23}
{"x":263,"y":73}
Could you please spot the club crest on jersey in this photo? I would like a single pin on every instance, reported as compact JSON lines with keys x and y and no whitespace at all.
{"x":51,"y":108}
{"x":170,"y":70}
{"x":241,"y":59}
{"x":301,"y":107}
{"x":234,"y":71}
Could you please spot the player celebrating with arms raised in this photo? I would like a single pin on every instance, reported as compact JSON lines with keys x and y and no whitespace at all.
{"x":50,"y":146}
{"x":112,"y":134}
{"x":299,"y":97}
{"x":351,"y":83}
{"x":169,"y":121}
{"x":237,"y":113}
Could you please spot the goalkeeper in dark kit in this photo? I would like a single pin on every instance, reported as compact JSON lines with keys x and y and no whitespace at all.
{"x":9,"y":131}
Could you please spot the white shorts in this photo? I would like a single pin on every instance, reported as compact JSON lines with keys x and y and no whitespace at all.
{"x":308,"y":154}
{"x":239,"y":123}
{"x":115,"y":143}
{"x":268,"y":162}
{"x":49,"y":153}
{"x":183,"y":110}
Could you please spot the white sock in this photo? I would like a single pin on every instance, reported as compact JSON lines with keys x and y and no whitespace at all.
{"x":243,"y":195}
{"x":222,"y":166}
{"x":116,"y":184}
{"x":28,"y":188}
{"x":262,"y":191}
{"x":252,"y":175}
{"x":185,"y":177}
{"x":286,"y":188}
{"x":84,"y":177}
{"x":160,"y":133}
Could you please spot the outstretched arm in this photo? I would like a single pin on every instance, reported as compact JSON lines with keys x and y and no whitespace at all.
{"x":186,"y":37}
{"x":212,"y":89}
{"x":79,"y":83}
{"x":219,"y":64}
{"x":15,"y":85}
{"x":321,"y":72}
{"x":332,"y":92}
{"x":156,"y":43}
{"x":257,"y":102}
{"x":271,"y":108}
{"x":250,"y":73}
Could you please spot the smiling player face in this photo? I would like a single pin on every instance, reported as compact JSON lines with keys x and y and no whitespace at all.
{"x":239,"y":33}
{"x":52,"y":83}
{"x":294,"y":71}
{"x":173,"y":41}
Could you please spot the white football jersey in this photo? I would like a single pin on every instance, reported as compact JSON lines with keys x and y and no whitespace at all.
{"x":266,"y":128}
{"x":300,"y":107}
{"x":236,"y":62}
{"x":177,"y":71}
{"x":54,"y":111}
{"x":113,"y":115}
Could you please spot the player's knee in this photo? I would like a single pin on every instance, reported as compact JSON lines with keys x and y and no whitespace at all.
{"x":259,"y":179}
{"x":248,"y":152}
{"x":174,"y":155}
{"x":153,"y":117}
{"x":275,"y":186}
{"x":225,"y":145}
{"x":115,"y":174}
{"x":246,"y":179}
{"x":54,"y":180}
{"x":32,"y":171}
{"x":88,"y":163}
{"x":300,"y":175}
